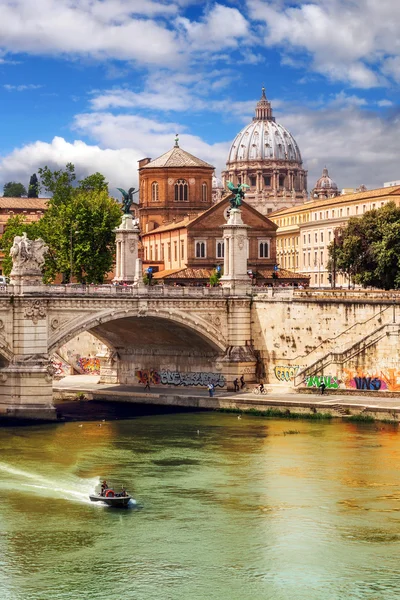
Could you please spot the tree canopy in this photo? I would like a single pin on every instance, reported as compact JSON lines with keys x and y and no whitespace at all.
{"x":78,"y":227}
{"x":367,"y":250}
{"x":12,"y":189}
{"x":33,"y":189}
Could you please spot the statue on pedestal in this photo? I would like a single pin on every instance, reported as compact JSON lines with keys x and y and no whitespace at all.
{"x":239,"y":191}
{"x":127,"y":199}
{"x":27,"y":255}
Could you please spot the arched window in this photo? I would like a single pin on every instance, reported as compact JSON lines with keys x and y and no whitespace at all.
{"x":220,"y":249}
{"x":263,"y":249}
{"x":200,"y":249}
{"x":204,"y":192}
{"x":154,"y":191}
{"x":181,"y":191}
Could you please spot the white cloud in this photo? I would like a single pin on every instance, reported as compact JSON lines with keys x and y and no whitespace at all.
{"x":384,"y":103}
{"x":345,"y":40}
{"x":21,"y":88}
{"x":356,"y":145}
{"x":221,"y":27}
{"x":101,"y":30}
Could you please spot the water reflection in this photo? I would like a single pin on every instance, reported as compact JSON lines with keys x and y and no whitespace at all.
{"x":231,"y":509}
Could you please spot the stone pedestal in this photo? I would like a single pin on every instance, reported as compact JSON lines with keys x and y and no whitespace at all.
{"x":26,"y":392}
{"x":127,"y":262}
{"x":236,"y":252}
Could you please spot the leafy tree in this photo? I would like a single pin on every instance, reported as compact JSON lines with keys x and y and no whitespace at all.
{"x":33,"y":189}
{"x":78,"y":225}
{"x":368,"y":249}
{"x":14,"y":190}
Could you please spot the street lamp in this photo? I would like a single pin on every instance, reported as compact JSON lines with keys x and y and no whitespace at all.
{"x":71,"y":266}
{"x":318,"y":264}
{"x":394,"y":308}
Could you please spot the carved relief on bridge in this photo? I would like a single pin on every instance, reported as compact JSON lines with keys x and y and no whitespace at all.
{"x":36,"y":310}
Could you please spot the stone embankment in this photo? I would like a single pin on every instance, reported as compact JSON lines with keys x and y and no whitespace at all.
{"x":378,"y":407}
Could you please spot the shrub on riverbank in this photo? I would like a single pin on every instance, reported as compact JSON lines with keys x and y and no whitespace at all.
{"x":276,"y":413}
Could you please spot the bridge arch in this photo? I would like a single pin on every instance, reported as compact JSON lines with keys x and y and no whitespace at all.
{"x":113,"y":327}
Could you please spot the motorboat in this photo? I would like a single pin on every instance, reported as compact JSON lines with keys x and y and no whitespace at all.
{"x":111,"y":497}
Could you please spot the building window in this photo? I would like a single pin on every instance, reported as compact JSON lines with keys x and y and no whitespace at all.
{"x":169,"y":252}
{"x":220,"y":250}
{"x":326,"y":214}
{"x":182,"y":250}
{"x":333,"y":214}
{"x":309,"y":258}
{"x":315,"y":216}
{"x":156,"y":252}
{"x":267,"y":180}
{"x":181,"y":190}
{"x":204,"y":192}
{"x":151,"y":252}
{"x":175,"y":251}
{"x":348,"y":210}
{"x":253,"y":181}
{"x":304,"y":258}
{"x":269,"y":210}
{"x":316,"y":237}
{"x":162,"y":251}
{"x":341,"y":212}
{"x":364,"y":208}
{"x":263,"y":249}
{"x":329,"y":235}
{"x":304,"y":239}
{"x":154,"y":191}
{"x":200,"y":249}
{"x":309,"y":238}
{"x":322,"y":236}
{"x":356,"y":210}
{"x":322,"y":258}
{"x":373,"y":206}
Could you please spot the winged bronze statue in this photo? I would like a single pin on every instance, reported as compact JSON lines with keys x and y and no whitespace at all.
{"x":127,"y":199}
{"x":239,"y":190}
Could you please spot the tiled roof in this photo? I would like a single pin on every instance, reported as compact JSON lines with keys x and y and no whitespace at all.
{"x":188,"y":273}
{"x":177,"y":158}
{"x":281,"y":274}
{"x":169,"y":226}
{"x":23,"y":203}
{"x":345,"y":198}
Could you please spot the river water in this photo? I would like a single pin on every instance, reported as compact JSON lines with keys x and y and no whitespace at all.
{"x":227,"y":509}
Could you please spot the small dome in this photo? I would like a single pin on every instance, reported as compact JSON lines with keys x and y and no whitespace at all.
{"x":217,"y":183}
{"x":325,"y":182}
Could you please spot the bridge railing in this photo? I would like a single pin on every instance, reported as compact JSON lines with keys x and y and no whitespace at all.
{"x":157,"y":291}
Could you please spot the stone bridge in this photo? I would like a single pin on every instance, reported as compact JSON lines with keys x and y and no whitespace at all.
{"x":184,"y":329}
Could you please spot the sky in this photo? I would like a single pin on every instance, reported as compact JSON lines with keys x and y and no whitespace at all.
{"x":105,"y":83}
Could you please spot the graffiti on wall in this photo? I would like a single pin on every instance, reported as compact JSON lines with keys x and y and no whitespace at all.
{"x":60,"y":368}
{"x":286,"y":373}
{"x":88,"y":365}
{"x":330,"y":381}
{"x":178,"y":378}
{"x":387,"y":379}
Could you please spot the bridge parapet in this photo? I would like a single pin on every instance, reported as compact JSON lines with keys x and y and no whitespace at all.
{"x":119,"y":291}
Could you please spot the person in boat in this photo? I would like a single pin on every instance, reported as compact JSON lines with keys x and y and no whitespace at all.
{"x":123,"y":492}
{"x":104,"y":487}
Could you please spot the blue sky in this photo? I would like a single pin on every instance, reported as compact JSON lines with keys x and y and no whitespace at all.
{"x":104,"y":83}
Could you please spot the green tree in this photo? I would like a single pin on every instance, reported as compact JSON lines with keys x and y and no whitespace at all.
{"x":368,"y":249}
{"x":33,"y":189}
{"x":78,"y":225}
{"x":13,"y":189}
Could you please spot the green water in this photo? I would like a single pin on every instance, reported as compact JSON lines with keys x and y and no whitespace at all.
{"x":227,"y":509}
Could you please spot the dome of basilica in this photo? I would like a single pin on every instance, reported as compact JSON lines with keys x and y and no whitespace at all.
{"x":265,"y":156}
{"x":264,"y":140}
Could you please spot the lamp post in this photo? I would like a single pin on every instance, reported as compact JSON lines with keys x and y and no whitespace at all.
{"x":394,"y":308}
{"x":318,"y":264}
{"x":71,"y":265}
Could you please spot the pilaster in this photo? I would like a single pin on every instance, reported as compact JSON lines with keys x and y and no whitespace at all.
{"x":127,"y":239}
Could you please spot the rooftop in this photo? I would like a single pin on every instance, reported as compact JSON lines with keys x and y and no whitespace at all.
{"x":177,"y":157}
{"x":324,"y":203}
{"x":23,"y":203}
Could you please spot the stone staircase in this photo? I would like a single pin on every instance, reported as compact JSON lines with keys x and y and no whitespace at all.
{"x":340,"y":358}
{"x":345,"y":339}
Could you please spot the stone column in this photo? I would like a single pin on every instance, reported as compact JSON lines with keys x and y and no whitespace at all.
{"x":235,"y":262}
{"x":127,"y":239}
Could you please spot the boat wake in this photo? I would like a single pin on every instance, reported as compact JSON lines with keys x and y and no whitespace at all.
{"x":72,"y":488}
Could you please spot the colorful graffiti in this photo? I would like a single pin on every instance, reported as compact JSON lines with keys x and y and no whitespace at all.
{"x":144,"y":376}
{"x":177,"y":378}
{"x":88,"y":365}
{"x":286,"y":373}
{"x":388,"y":379}
{"x":315,"y":381}
{"x":60,"y":368}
